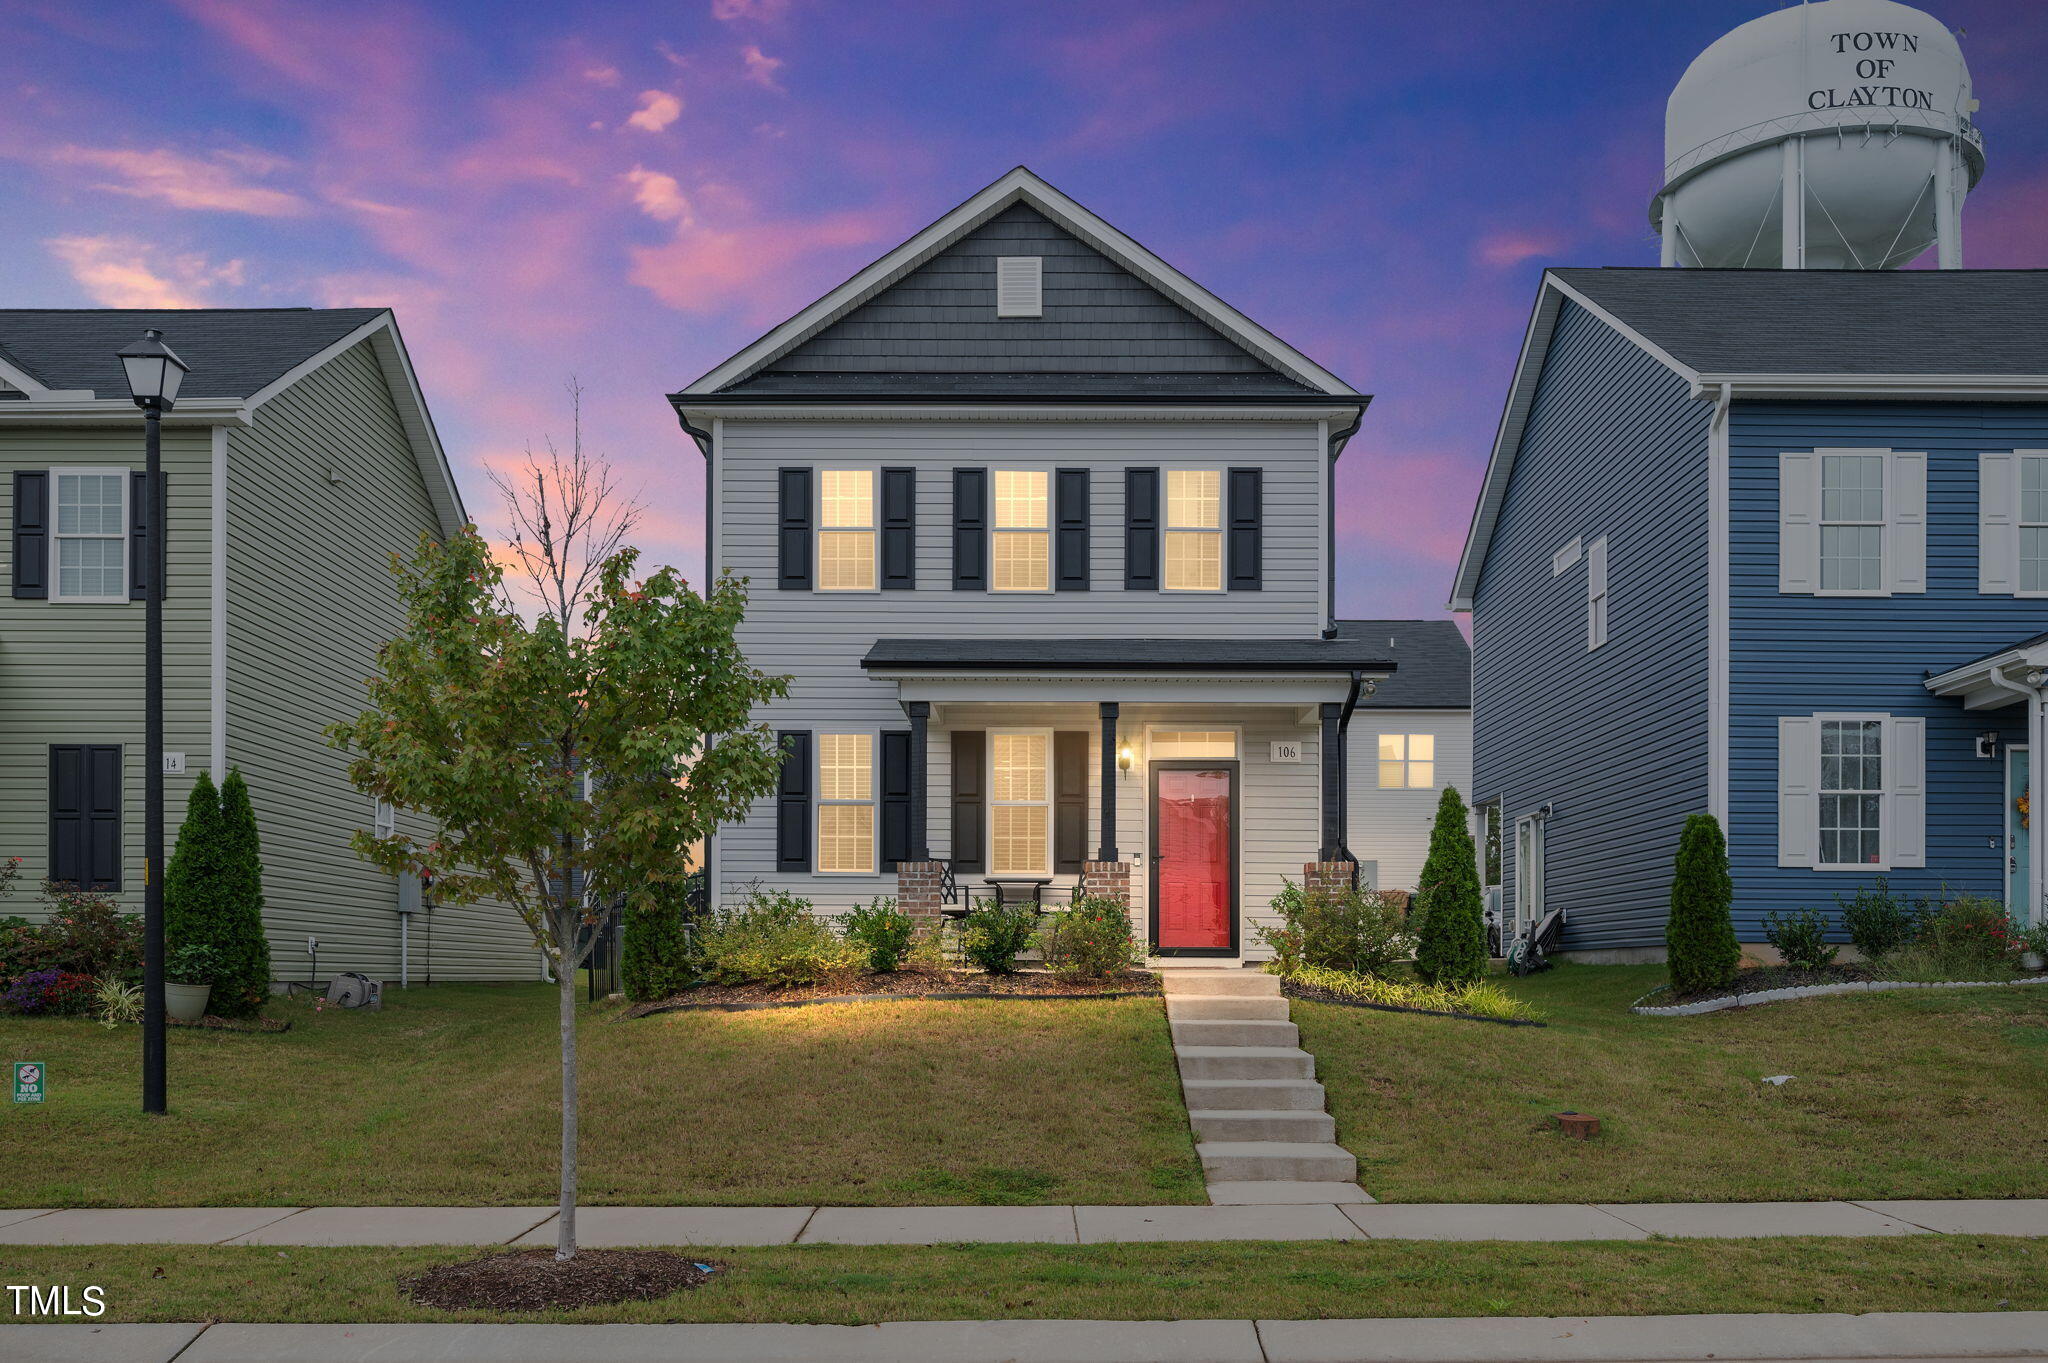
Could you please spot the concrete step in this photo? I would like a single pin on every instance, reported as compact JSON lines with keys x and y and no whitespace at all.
{"x":1282,"y":1191}
{"x":1263,"y":1124}
{"x":1290,"y":1161}
{"x":1236,"y":1032}
{"x":1253,"y":1095}
{"x":1244,"y":1062}
{"x":1189,"y":1008}
{"x":1192,"y":983}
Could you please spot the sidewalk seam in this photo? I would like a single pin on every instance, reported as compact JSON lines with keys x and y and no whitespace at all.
{"x":276,"y":1220}
{"x":798,"y":1238}
{"x":1258,"y":1334}
{"x":204,"y":1326}
{"x":1591,"y":1207}
{"x":1894,"y":1216}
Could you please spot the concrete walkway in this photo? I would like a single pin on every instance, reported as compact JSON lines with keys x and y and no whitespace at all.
{"x":1281,"y":1221}
{"x":1595,"y":1339}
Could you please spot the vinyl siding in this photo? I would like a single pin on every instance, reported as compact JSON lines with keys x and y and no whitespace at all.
{"x":1614,"y":739}
{"x":1795,"y":654}
{"x":1392,"y":827}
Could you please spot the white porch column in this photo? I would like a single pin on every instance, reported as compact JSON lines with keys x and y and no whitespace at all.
{"x":2037,"y":817}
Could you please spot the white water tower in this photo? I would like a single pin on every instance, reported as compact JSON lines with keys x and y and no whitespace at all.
{"x":1832,"y":135}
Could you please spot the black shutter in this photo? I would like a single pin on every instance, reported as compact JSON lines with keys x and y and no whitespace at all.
{"x":793,"y":537}
{"x":85,"y":815}
{"x":145,"y":551}
{"x":899,"y":529}
{"x":895,"y":797}
{"x":1070,"y":530}
{"x":970,"y":530}
{"x":1247,"y":495}
{"x":793,"y":802}
{"x":1069,"y":802}
{"x":32,"y":534}
{"x":1141,"y":530}
{"x":970,"y":763}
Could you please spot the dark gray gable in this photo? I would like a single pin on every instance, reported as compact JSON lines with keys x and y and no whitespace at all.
{"x":936,"y":331}
{"x":234,"y":352}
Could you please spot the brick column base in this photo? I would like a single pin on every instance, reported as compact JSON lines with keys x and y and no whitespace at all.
{"x":1106,"y":880}
{"x":917,"y":887}
{"x":1328,"y":876}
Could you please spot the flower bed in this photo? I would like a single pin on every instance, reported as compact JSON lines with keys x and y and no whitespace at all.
{"x":905,"y":984}
{"x":1477,"y":1002}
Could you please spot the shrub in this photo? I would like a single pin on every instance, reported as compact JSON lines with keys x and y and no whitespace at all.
{"x":773,"y":938}
{"x":884,"y":931}
{"x":1878,"y":924}
{"x":1092,"y":939}
{"x":87,"y":934}
{"x":1450,"y":945}
{"x":1363,"y":931}
{"x":657,"y":956}
{"x":1801,"y":939}
{"x":1966,"y":938}
{"x":245,"y":950}
{"x":995,"y":934}
{"x":116,"y":1002}
{"x":927,"y":955}
{"x":50,"y":992}
{"x":1699,"y":934}
{"x":1482,"y":999}
{"x":192,"y":963}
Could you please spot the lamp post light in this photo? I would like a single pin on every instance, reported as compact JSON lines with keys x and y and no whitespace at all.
{"x":154,"y":373}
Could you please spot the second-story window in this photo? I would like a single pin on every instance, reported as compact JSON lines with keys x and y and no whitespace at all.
{"x":2033,"y":523}
{"x":1194,"y":530}
{"x":846,"y":530}
{"x":1852,"y":523}
{"x":92,"y":535}
{"x":1022,"y":532}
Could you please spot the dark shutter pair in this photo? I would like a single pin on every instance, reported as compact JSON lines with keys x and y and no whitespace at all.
{"x":85,"y":815}
{"x":35,"y":512}
{"x":1244,"y":514}
{"x":970,"y":801}
{"x":794,"y":798}
{"x":897,"y":527}
{"x":1069,"y":530}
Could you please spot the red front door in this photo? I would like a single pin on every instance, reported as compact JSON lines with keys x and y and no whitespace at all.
{"x":1192,"y":858}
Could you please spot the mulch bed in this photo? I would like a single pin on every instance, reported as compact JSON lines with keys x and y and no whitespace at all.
{"x":905,"y":984}
{"x":531,"y":1280}
{"x":1764,"y":977}
{"x":213,"y":1024}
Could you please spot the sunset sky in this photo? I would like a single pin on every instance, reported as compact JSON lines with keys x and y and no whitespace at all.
{"x":629,"y":192}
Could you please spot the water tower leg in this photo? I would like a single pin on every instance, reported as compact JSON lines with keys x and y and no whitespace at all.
{"x":1948,"y":207}
{"x":1792,"y":205}
{"x":1668,"y":250}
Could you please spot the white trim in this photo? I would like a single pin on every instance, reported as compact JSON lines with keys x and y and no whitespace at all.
{"x":17,"y":377}
{"x":873,"y":803}
{"x":1566,"y":558}
{"x":1185,"y":726}
{"x":1326,"y":514}
{"x":1044,"y":532}
{"x":124,"y":477}
{"x":1821,"y":718}
{"x":873,"y":529}
{"x":1167,"y":527}
{"x":1719,"y":613}
{"x":1286,"y":692}
{"x":1020,"y":186}
{"x":83,"y":409}
{"x":2020,"y":525}
{"x":217,"y":609}
{"x":1598,"y":598}
{"x":2019,"y":387}
{"x":984,"y":409}
{"x":2005,"y":838}
{"x":1821,"y":455}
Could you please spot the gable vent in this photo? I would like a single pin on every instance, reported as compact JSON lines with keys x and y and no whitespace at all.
{"x":1019,"y":287}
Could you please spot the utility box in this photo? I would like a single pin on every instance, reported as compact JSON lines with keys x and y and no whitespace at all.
{"x":409,"y":896}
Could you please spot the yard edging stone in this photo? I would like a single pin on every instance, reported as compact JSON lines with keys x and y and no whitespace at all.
{"x":1814,"y":991}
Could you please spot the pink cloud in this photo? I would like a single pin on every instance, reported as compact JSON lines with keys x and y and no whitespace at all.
{"x":118,"y":272}
{"x":659,"y":196}
{"x":215,"y":183}
{"x":749,"y":268}
{"x":658,"y":109}
{"x":1505,"y":250}
{"x":761,"y":68}
{"x":758,"y":11}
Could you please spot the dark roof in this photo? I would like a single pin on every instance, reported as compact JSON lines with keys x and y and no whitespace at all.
{"x":233,"y":352}
{"x":1432,"y":662}
{"x":1177,"y":655}
{"x":2034,"y":642}
{"x":1832,"y":321}
{"x":936,"y":328}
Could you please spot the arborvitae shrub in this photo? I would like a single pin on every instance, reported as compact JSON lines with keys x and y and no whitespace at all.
{"x":1699,"y":934}
{"x":244,"y":978}
{"x":1451,"y":940}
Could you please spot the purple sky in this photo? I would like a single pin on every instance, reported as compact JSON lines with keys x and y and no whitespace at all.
{"x":629,"y":191}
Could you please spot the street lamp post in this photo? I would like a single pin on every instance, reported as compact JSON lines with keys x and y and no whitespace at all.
{"x":154,"y":373}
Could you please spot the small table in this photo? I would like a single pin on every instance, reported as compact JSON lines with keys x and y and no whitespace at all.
{"x":1019,"y":890}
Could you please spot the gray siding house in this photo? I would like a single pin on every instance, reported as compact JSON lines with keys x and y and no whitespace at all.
{"x":299,"y":457}
{"x":1042,"y":531}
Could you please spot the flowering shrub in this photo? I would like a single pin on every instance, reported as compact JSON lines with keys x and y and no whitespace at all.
{"x":1092,"y":939}
{"x":87,"y":934}
{"x":1966,"y":938}
{"x":1361,"y":931}
{"x":59,"y":992}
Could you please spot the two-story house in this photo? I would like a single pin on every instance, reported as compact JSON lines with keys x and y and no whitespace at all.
{"x":1773,"y":545}
{"x":1042,"y":530}
{"x":299,"y":457}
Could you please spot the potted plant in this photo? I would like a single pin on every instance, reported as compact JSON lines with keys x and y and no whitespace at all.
{"x":2034,"y":946}
{"x":188,"y":979}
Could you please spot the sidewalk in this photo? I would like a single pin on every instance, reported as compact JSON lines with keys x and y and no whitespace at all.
{"x":1599,"y":1339}
{"x":601,"y":1226}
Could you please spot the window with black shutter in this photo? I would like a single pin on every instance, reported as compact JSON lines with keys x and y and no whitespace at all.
{"x":32,"y":534}
{"x":899,"y":529}
{"x":793,"y":529}
{"x":895,"y":797}
{"x":970,"y":530}
{"x":85,"y":815}
{"x":1247,"y":548}
{"x":1141,"y":530}
{"x":1070,"y":530}
{"x":1069,"y":802}
{"x":793,"y":802}
{"x":970,"y":797}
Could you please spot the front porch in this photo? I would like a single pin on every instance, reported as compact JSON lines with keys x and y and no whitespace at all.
{"x":1999,"y":684}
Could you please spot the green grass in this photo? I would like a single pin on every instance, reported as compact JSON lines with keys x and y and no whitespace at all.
{"x":832,"y":1284}
{"x":1908,"y":1094}
{"x":448,"y":1096}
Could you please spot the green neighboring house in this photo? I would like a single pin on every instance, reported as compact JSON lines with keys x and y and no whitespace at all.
{"x":300,"y":456}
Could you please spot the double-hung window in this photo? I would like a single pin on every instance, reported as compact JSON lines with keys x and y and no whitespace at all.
{"x":846,"y":530}
{"x":1407,"y":761}
{"x":1194,"y":530}
{"x":846,"y":803}
{"x":91,"y":534}
{"x":1851,"y":792}
{"x":1852,"y":522}
{"x":2033,"y":523}
{"x":1022,"y":532}
{"x":384,"y":817}
{"x":1020,"y":802}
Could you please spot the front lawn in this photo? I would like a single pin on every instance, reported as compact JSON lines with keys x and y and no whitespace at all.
{"x":1910,"y":1094}
{"x":448,"y":1097}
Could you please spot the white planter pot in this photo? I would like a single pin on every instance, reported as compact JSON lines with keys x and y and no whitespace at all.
{"x":186,"y":1002}
{"x":2031,"y":960}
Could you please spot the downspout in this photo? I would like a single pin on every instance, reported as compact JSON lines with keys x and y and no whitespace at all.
{"x":705,"y":446}
{"x":1718,"y":608}
{"x":1338,"y":439}
{"x":1359,"y":686}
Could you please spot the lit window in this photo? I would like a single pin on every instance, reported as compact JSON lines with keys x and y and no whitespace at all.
{"x":1169,"y":744}
{"x":1851,"y":522}
{"x":92,"y":535}
{"x":846,"y":802}
{"x":1851,"y":791}
{"x":1020,"y":551}
{"x":846,"y":530}
{"x":1194,"y":530}
{"x":1407,"y":761}
{"x":1020,"y":812}
{"x":2034,"y":523}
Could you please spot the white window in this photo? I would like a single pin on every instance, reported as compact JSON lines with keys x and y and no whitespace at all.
{"x":1852,"y":791}
{"x":846,"y":803}
{"x":1022,"y":533}
{"x":1020,"y":288}
{"x":1407,"y":761}
{"x":1565,"y":558}
{"x":2033,"y":525}
{"x":1852,"y":522}
{"x":1596,"y":593}
{"x":92,"y":535}
{"x":846,"y":530}
{"x":1020,"y":803}
{"x":384,"y":818}
{"x":1194,"y":530}
{"x":1168,"y":744}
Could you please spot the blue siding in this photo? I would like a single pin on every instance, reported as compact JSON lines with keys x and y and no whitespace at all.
{"x":1614,"y":739}
{"x":1800,"y":654}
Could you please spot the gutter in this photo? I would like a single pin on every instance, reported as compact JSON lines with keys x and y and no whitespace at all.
{"x":730,"y":399}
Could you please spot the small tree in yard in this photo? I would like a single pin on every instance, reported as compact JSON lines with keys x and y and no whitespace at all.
{"x":213,"y":894}
{"x":1699,"y":934}
{"x":1451,"y":942}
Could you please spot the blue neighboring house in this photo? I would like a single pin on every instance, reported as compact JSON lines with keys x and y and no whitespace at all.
{"x":1771,"y":545}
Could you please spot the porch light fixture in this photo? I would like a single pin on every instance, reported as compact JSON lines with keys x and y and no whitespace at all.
{"x":1124,"y":758}
{"x":2035,"y":676}
{"x":1987,"y":743}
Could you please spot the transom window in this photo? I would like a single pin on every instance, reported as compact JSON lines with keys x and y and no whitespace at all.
{"x":1022,"y":559}
{"x":1852,"y":522}
{"x":1020,"y":807}
{"x":1194,"y":530}
{"x":92,"y":535}
{"x":1169,"y":744}
{"x":846,"y":530}
{"x":1851,"y":791}
{"x":1407,"y":761}
{"x":846,"y":803}
{"x":2033,"y":523}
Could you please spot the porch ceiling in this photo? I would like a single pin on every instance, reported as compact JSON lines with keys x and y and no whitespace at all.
{"x":1997,"y":679}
